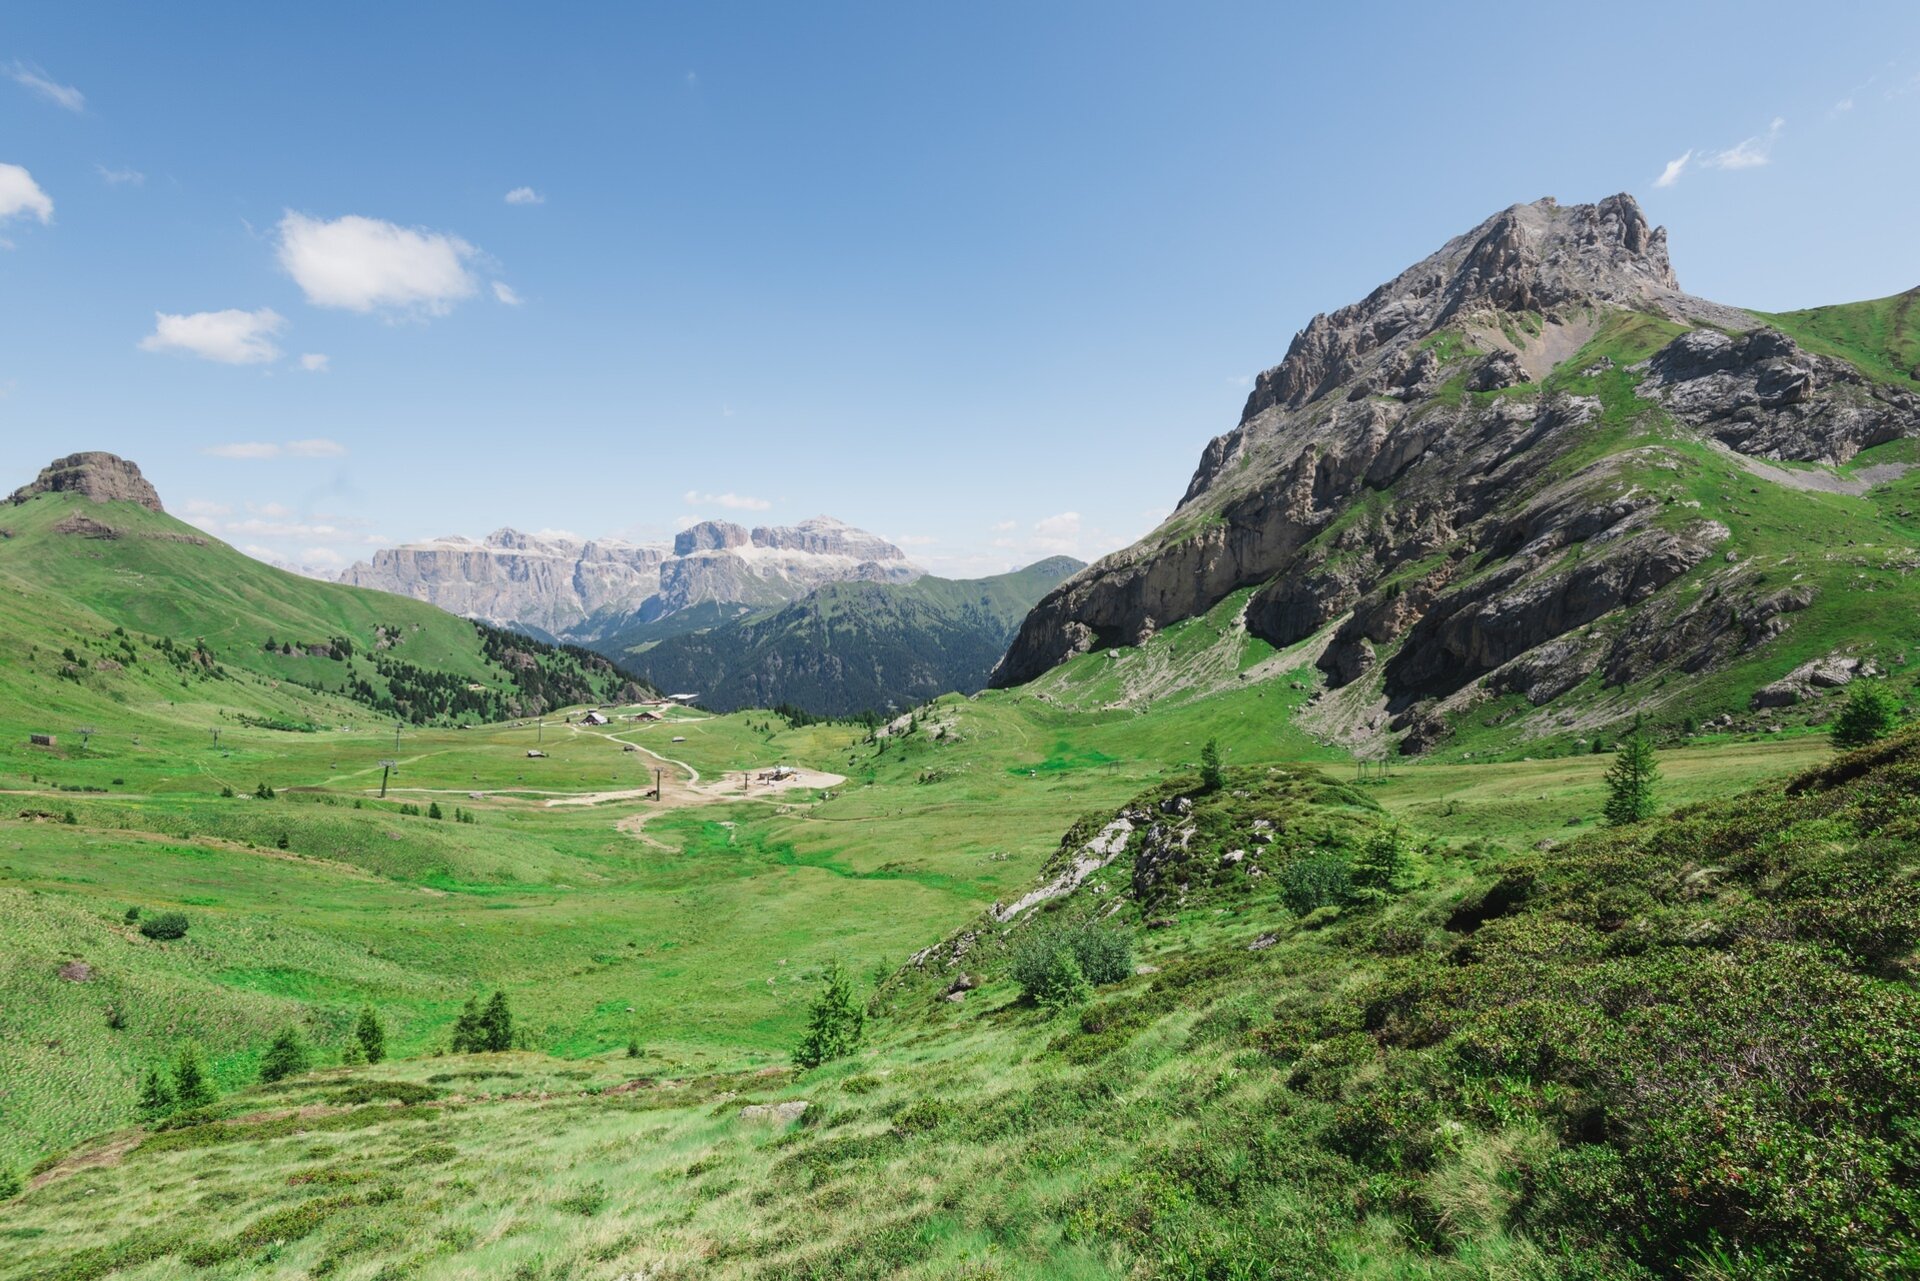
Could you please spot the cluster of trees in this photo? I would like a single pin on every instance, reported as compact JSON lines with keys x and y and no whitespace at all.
{"x":338,"y":648}
{"x":835,"y":1022}
{"x":484,"y":1030}
{"x":186,"y":1084}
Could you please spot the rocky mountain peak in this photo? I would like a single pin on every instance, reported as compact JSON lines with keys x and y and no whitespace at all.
{"x":709,"y":536}
{"x":101,"y":477}
{"x":1546,"y":258}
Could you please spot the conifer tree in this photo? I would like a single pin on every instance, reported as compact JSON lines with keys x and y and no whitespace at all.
{"x":1384,"y":867}
{"x":1870,"y":715}
{"x":371,"y":1037}
{"x":835,"y":1022}
{"x":192,"y":1087}
{"x":156,"y":1096}
{"x":1213,"y":775}
{"x":286,"y":1057}
{"x":496,"y":1024}
{"x":1631,"y":780}
{"x":467,"y":1036}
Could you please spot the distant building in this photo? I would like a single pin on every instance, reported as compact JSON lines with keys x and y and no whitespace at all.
{"x":593,"y":718}
{"x":41,"y":740}
{"x":682,"y":698}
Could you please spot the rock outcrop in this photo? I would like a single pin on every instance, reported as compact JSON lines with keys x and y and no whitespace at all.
{"x":586,"y":591}
{"x":101,"y":477}
{"x":1419,"y":475}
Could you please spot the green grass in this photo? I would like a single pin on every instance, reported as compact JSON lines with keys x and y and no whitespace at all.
{"x":1881,"y":337}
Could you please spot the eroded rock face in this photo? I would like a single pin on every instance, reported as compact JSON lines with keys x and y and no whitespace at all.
{"x":1764,"y":395}
{"x":1412,"y":477}
{"x":585,"y":591}
{"x":100,"y":477}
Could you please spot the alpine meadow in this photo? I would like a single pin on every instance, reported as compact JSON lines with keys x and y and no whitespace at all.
{"x":1462,"y":824}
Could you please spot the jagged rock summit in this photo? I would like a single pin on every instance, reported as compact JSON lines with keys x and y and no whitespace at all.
{"x":1449,"y":482}
{"x":101,"y":477}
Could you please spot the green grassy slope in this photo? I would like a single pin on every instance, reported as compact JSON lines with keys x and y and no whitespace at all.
{"x":1882,"y":337}
{"x":850,"y":648}
{"x":1686,"y":1049}
{"x":191,"y":611}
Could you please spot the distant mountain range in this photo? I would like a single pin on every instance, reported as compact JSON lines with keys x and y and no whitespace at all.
{"x":819,"y":616}
{"x":848,"y":647}
{"x":588,"y":591}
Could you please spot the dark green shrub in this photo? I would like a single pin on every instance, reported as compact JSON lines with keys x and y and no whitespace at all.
{"x":10,"y":1185}
{"x":1105,"y":956}
{"x":286,"y":1057}
{"x":156,"y":1096}
{"x":1310,"y":883}
{"x":1048,"y":973}
{"x":167,"y":925}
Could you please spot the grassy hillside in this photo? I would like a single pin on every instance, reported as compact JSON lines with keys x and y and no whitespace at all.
{"x":106,"y":605}
{"x":1882,"y":337}
{"x":1683,"y":1049}
{"x":850,"y":648}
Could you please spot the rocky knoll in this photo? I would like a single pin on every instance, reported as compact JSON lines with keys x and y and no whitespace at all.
{"x":1420,"y":470}
{"x":101,"y":477}
{"x":586,"y":591}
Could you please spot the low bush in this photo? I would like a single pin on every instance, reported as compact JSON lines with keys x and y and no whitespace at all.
{"x":167,"y":925}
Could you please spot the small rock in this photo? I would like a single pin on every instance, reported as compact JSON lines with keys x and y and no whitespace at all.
{"x":76,"y":971}
{"x":775,"y":1113}
{"x":1262,"y":943}
{"x":1162,"y":923}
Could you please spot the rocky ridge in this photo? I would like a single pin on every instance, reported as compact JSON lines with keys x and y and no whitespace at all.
{"x":1415,"y":475}
{"x":585,"y":590}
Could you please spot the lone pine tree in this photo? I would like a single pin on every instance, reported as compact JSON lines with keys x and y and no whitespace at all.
{"x":1631,"y":780}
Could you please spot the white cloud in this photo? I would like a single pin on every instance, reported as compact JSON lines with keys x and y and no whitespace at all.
{"x":318,"y":448}
{"x":734,"y":502}
{"x":205,"y":507}
{"x":366,"y":264}
{"x":120,"y":177}
{"x":256,"y":450}
{"x":505,"y":293}
{"x":315,"y":362}
{"x":525,"y":196}
{"x":232,"y":337}
{"x":1843,"y":106}
{"x":35,"y":79}
{"x":1058,"y":535}
{"x":1676,"y":167}
{"x":914,"y":540}
{"x":1749,"y":153}
{"x":559,"y":535}
{"x":20,"y":194}
{"x":323,"y":556}
{"x":1004,"y":526}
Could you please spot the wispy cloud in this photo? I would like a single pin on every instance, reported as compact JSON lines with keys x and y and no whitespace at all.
{"x":257,"y":450}
{"x":525,"y":196}
{"x":231,"y":337}
{"x":315,"y":362}
{"x":731,"y":501}
{"x":367,"y":264}
{"x":21,"y":195}
{"x":507,"y":294}
{"x":36,"y":80}
{"x":1748,"y":153}
{"x":122,"y":177}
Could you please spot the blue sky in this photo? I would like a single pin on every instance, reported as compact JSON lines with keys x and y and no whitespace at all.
{"x":982,"y":278}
